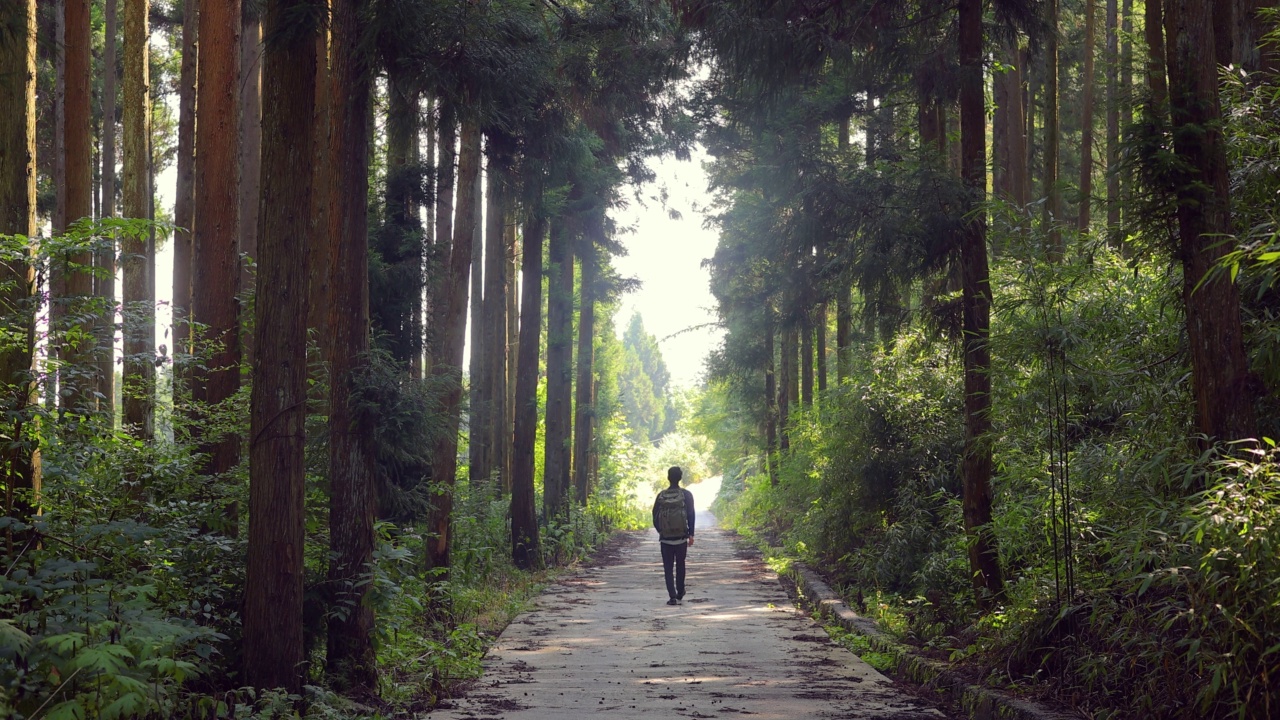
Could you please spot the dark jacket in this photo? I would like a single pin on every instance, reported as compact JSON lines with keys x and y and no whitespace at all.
{"x":688,"y":511}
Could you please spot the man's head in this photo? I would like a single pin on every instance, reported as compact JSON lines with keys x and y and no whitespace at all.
{"x":674,"y":473}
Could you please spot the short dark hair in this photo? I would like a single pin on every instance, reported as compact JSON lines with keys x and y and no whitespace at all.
{"x":674,"y":473}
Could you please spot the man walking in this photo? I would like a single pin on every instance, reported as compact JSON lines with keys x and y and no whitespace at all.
{"x":673,"y":519}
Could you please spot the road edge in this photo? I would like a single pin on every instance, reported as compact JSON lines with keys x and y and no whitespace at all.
{"x":975,"y":701}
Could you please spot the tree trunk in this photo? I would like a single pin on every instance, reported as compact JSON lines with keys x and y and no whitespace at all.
{"x":400,"y":242}
{"x":78,"y":393}
{"x":351,"y":659}
{"x":1113,"y":124}
{"x":250,"y":147}
{"x":984,"y":558}
{"x":104,"y":261}
{"x":1086,"y":119}
{"x":558,"y":451}
{"x":844,"y":301}
{"x":139,"y":305}
{"x":184,"y":203}
{"x":477,"y":423}
{"x":511,"y":240}
{"x":20,"y":453}
{"x":449,"y":321}
{"x":323,"y":178}
{"x":214,"y":301}
{"x":1249,"y":52}
{"x":806,"y":365}
{"x":1057,"y":249}
{"x":1125,"y":99}
{"x":770,"y":407}
{"x":1153,"y":31}
{"x":585,"y":391}
{"x":274,"y":652}
{"x":821,"y":350}
{"x":1010,"y":135}
{"x":485,"y":434}
{"x":1219,"y":372}
{"x":786,"y":386}
{"x":525,"y":551}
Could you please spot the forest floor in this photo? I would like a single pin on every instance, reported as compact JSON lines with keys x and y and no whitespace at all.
{"x":603,"y":643}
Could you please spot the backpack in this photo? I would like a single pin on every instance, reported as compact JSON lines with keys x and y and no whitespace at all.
{"x":673,"y":522}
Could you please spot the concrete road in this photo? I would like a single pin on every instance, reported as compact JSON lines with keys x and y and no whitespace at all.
{"x":605,"y":644}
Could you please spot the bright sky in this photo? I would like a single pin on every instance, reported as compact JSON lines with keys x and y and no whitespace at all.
{"x":666,"y":255}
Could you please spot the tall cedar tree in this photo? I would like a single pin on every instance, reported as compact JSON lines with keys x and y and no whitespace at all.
{"x":496,"y":465}
{"x":449,"y":321}
{"x":250,"y":146}
{"x":476,"y":422}
{"x":321,"y":191}
{"x":274,"y":652}
{"x":139,"y":316}
{"x":1086,"y":118}
{"x":351,"y":658}
{"x":525,"y":551}
{"x":557,"y":449}
{"x":77,"y":386}
{"x":184,"y":202}
{"x":984,"y":559}
{"x":770,"y":400}
{"x":585,"y":389}
{"x":1219,"y":372}
{"x":400,"y":242}
{"x":1113,"y":123}
{"x":104,"y":260}
{"x":214,"y":289}
{"x":19,"y":460}
{"x":1056,"y":249}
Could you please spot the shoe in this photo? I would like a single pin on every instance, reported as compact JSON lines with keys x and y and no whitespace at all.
{"x":680,"y":596}
{"x":679,"y":601}
{"x":673,"y":601}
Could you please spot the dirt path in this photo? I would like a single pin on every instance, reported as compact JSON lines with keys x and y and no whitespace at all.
{"x":605,"y":644}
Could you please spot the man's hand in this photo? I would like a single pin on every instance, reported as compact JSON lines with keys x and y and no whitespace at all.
{"x":690,"y":541}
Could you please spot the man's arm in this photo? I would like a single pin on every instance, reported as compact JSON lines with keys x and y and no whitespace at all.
{"x":689,"y":512}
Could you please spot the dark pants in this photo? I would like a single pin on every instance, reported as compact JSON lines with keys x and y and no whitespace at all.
{"x":674,"y":555}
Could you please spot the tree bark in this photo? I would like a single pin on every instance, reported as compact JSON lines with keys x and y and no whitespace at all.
{"x":984,"y":557}
{"x":806,"y":365}
{"x":1157,"y":81}
{"x":250,"y":148}
{"x":786,"y":386}
{"x":274,"y":651}
{"x":770,"y":406}
{"x":821,"y":350}
{"x":351,"y":659}
{"x":214,"y":300}
{"x":1219,"y":371}
{"x":400,"y":242}
{"x":139,"y":305}
{"x":476,"y":421}
{"x":585,"y":392}
{"x":558,"y":448}
{"x":78,"y":393}
{"x":844,"y":301}
{"x":1086,"y":119}
{"x":1057,"y":249}
{"x":323,"y":178}
{"x":184,"y":203}
{"x":20,"y":453}
{"x":450,"y":323}
{"x":1113,"y":124}
{"x":104,"y":261}
{"x":497,"y":351}
{"x":525,"y":551}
